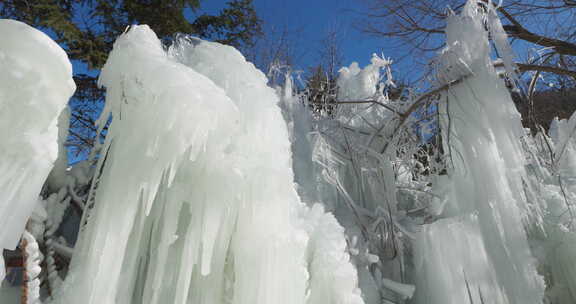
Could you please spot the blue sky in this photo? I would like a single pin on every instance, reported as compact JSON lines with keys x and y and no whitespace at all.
{"x":313,"y":19}
{"x":310,"y":21}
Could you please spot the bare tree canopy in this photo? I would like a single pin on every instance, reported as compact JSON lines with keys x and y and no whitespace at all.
{"x":548,"y":26}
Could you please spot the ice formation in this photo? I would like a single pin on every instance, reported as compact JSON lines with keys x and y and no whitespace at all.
{"x":35,"y":85}
{"x":355,"y":180}
{"x":204,"y":194}
{"x":490,"y":229}
{"x":552,"y":178}
{"x":478,"y":251}
{"x":195,"y":201}
{"x":355,"y":83}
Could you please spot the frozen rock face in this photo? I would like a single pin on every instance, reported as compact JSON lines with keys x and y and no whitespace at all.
{"x":196,"y":201}
{"x":485,"y":202}
{"x":35,"y":85}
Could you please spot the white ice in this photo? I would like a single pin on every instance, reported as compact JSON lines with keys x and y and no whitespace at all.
{"x":486,"y":206}
{"x":35,"y":85}
{"x":196,"y":201}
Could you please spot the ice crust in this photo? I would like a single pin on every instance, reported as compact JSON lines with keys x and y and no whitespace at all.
{"x":35,"y":85}
{"x":196,"y":201}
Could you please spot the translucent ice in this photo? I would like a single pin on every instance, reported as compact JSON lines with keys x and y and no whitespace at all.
{"x":482,"y":130}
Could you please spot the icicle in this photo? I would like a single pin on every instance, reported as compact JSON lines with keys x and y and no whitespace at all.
{"x":501,"y":42}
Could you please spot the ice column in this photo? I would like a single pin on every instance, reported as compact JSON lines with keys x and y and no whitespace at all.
{"x":478,"y":252}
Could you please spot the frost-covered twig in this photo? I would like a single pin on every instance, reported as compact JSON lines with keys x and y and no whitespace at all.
{"x":416,"y":104}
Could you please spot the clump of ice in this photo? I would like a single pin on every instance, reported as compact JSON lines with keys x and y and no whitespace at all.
{"x":35,"y":85}
{"x":196,"y":201}
{"x":355,"y":83}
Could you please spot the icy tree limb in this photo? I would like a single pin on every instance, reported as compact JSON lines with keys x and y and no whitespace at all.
{"x":416,"y":104}
{"x":518,"y":31}
{"x":543,"y":68}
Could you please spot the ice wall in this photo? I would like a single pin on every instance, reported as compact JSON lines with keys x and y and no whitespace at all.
{"x":480,"y":240}
{"x":35,"y":85}
{"x":196,"y":202}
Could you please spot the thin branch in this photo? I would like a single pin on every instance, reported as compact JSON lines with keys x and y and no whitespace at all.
{"x":545,"y":68}
{"x":369,"y":101}
{"x":416,"y":104}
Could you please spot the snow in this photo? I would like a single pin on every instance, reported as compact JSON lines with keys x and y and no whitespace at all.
{"x":35,"y":85}
{"x":196,"y":200}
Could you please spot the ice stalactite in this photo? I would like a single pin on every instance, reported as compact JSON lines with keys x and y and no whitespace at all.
{"x":478,"y":251}
{"x":35,"y":85}
{"x":196,"y":201}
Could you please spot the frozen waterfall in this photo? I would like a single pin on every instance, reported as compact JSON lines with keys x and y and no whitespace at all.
{"x":35,"y":85}
{"x":196,"y":201}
